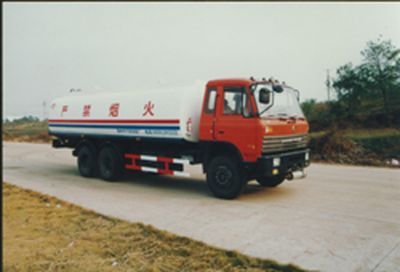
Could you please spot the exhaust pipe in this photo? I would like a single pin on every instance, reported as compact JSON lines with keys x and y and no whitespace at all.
{"x":299,"y":174}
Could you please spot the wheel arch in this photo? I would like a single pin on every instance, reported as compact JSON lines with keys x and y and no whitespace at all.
{"x":85,"y":142}
{"x":116,"y":145}
{"x":214,"y":149}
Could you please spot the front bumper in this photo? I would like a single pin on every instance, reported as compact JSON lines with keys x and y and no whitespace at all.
{"x":281,"y":163}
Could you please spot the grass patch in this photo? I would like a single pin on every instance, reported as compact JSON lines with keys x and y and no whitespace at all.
{"x":386,"y":147}
{"x":356,"y":134}
{"x":378,"y":147}
{"x":371,"y":133}
{"x":26,"y":131}
{"x":43,"y":233}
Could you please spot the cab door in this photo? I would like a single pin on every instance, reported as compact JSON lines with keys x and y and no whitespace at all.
{"x":234,"y":123}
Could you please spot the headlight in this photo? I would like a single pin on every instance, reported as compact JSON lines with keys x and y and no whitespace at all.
{"x":276,"y":162}
{"x":307,"y":156}
{"x":268,"y":129}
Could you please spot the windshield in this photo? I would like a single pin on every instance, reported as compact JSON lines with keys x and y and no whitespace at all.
{"x":284,"y":104}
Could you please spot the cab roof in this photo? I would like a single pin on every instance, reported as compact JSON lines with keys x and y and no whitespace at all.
{"x":231,"y":81}
{"x":241,"y":82}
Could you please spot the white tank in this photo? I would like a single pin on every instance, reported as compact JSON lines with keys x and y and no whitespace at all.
{"x":172,"y":113}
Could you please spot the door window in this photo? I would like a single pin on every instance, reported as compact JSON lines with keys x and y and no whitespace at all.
{"x":211,"y":99}
{"x":234,"y":100}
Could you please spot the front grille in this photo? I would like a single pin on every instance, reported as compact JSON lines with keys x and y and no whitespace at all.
{"x":284,"y":143}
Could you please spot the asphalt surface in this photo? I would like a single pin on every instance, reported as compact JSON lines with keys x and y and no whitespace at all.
{"x":339,"y":218}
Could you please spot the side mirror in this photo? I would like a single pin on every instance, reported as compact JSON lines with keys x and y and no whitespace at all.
{"x":265,"y":96}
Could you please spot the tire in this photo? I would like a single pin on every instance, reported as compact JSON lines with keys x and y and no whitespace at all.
{"x":110,"y":163}
{"x":87,"y":162}
{"x":225,"y":178}
{"x":271,"y":181}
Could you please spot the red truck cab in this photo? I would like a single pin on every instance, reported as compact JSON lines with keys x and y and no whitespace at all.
{"x":262,"y":121}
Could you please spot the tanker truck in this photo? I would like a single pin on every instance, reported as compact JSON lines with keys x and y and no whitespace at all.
{"x":238,"y":129}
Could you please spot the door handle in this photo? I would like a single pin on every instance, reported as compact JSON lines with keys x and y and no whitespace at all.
{"x":221,"y":131}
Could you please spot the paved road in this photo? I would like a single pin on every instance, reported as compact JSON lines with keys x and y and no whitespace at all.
{"x":339,"y":218}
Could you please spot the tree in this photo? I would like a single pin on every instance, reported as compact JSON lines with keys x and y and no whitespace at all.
{"x":377,"y":76}
{"x":308,"y":107}
{"x":349,"y":87}
{"x":319,"y":114}
{"x":382,"y":65}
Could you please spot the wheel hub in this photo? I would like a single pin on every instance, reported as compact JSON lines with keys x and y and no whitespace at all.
{"x":223,"y":176}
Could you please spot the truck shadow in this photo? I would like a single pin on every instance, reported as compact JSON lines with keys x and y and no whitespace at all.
{"x":198,"y":186}
{"x":193,"y":186}
{"x":168,"y":183}
{"x":255,"y":193}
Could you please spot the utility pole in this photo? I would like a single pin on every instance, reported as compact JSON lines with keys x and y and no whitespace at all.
{"x":44,"y":110}
{"x":328,"y":84}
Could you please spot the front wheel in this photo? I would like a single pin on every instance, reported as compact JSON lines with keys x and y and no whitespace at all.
{"x":271,"y":181}
{"x":110,"y":163}
{"x":225,"y":179}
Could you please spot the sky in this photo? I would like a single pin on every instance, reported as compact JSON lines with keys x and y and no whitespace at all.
{"x":49,"y":48}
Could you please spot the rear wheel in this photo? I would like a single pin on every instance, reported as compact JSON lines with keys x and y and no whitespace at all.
{"x":225,"y":178}
{"x":271,"y":181}
{"x":86,"y":162}
{"x":110,"y":163}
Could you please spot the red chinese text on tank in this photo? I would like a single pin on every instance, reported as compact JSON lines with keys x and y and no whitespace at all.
{"x":114,"y":110}
{"x":64,"y":109}
{"x":86,"y":110}
{"x":148,"y":109}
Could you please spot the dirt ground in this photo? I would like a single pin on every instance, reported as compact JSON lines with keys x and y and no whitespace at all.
{"x":42,"y":233}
